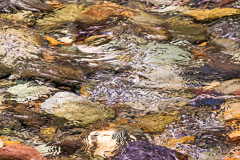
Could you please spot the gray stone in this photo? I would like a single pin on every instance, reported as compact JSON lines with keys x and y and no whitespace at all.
{"x":76,"y":108}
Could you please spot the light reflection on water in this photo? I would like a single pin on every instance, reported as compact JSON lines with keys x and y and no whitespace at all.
{"x":137,"y":77}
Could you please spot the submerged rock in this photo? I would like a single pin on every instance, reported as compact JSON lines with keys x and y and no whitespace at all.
{"x":67,"y":14}
{"x":218,"y":69}
{"x":96,"y":14}
{"x":139,"y":150}
{"x":67,"y":74}
{"x":232,"y":111}
{"x":22,"y":52}
{"x":20,"y":152}
{"x":8,"y":124}
{"x":228,"y":87}
{"x":227,"y":28}
{"x":207,"y":100}
{"x":24,"y":17}
{"x":29,"y":91}
{"x":154,"y":123}
{"x":4,"y":71}
{"x":149,"y":26}
{"x":186,"y":29}
{"x":162,"y":54}
{"x":230,"y":44}
{"x":18,"y":44}
{"x":234,"y":136}
{"x":31,"y":5}
{"x":172,"y":143}
{"x":76,"y":108}
{"x":216,"y":13}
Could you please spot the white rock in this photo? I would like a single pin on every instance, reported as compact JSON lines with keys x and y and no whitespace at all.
{"x":59,"y":98}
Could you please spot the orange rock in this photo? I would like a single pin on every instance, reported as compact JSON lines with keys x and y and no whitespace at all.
{"x":203,"y":44}
{"x":53,"y":41}
{"x":8,"y":143}
{"x":20,"y":152}
{"x":173,"y":142}
{"x":55,"y":4}
{"x":234,"y":135}
{"x":84,"y":92}
{"x":102,"y":12}
{"x":211,"y":14}
{"x":233,"y":154}
{"x":48,"y":133}
{"x":198,"y":54}
{"x":91,"y":39}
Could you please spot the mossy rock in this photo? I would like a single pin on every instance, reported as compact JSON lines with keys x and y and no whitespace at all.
{"x":187,"y":29}
{"x":154,"y":123}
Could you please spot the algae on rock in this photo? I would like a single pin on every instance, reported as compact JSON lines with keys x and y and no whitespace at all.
{"x":65,"y":15}
{"x":186,"y":29}
{"x":154,"y":123}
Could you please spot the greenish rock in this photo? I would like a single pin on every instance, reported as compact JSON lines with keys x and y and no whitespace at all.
{"x":187,"y":29}
{"x":69,"y":13}
{"x":165,"y":54}
{"x":5,"y":131}
{"x":149,"y":26}
{"x":29,"y":91}
{"x":76,"y":108}
{"x":68,"y":49}
{"x":24,"y":17}
{"x":144,"y":18}
{"x":154,"y":123}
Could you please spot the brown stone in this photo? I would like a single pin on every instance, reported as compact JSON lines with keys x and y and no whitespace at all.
{"x":98,"y":13}
{"x":154,"y":123}
{"x":234,"y":135}
{"x":212,"y":14}
{"x":20,"y":152}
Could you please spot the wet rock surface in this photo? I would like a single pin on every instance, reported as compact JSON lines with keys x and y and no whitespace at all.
{"x":147,"y":79}
{"x":76,"y":108}
{"x":19,"y":46}
{"x":32,"y":5}
{"x":145,"y":150}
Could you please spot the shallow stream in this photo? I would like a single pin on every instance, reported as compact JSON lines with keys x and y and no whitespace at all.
{"x":124,"y":80}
